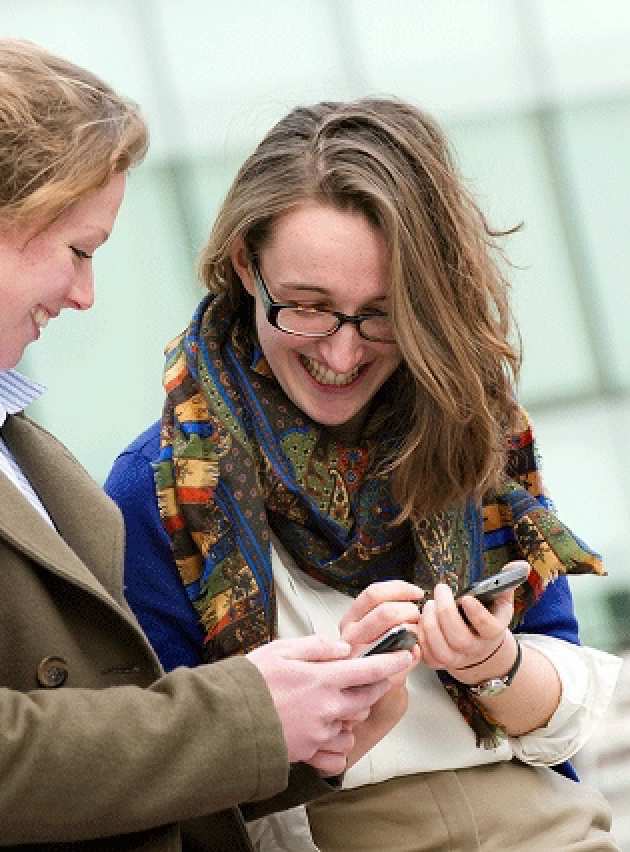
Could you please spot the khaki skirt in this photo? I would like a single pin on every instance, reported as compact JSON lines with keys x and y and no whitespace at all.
{"x":495,"y":808}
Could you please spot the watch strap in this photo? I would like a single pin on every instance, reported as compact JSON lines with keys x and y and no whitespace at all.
{"x":496,"y":685}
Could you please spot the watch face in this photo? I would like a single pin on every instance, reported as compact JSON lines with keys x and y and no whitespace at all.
{"x":496,"y":685}
{"x":490,"y":687}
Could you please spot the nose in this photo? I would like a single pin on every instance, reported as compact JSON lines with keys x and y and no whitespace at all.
{"x":342,"y":351}
{"x":81,"y":296}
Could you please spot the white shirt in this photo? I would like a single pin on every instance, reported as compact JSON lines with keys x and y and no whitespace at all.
{"x":417,"y":743}
{"x":588,"y":679}
{"x":16,"y":392}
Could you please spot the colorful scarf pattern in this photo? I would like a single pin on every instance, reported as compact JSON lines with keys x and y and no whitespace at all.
{"x":238,"y":460}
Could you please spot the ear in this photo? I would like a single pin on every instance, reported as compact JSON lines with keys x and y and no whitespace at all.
{"x":240,"y":261}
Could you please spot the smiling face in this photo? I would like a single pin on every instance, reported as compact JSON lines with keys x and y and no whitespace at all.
{"x":321,"y":257}
{"x":44,"y":270}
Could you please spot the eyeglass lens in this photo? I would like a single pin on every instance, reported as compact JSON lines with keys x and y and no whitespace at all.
{"x":301,"y":321}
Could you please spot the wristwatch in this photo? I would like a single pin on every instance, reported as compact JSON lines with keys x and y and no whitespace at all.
{"x":497,"y":685}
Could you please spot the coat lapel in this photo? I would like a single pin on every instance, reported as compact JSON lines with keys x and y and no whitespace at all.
{"x":74,"y":503}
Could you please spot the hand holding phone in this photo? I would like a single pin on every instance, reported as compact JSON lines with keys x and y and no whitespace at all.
{"x":486,"y":590}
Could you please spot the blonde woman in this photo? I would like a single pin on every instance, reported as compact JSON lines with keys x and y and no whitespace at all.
{"x":98,"y":749}
{"x":341,"y":450}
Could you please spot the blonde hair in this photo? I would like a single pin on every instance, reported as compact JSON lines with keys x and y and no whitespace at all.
{"x":449,"y":306}
{"x":63,"y":132}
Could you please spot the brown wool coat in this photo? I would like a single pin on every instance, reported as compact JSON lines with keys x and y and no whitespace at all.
{"x":98,"y":749}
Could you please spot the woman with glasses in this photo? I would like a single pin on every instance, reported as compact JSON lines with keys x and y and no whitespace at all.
{"x":341,"y":451}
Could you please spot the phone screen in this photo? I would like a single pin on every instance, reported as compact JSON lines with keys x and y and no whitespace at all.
{"x":396,"y":639}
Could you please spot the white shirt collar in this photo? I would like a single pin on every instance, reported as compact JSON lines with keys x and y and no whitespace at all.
{"x":16,"y":392}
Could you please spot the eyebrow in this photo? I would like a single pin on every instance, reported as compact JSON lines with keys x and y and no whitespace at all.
{"x":314,"y":288}
{"x":308,"y":288}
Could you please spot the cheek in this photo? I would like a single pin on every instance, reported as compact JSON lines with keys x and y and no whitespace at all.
{"x":394,"y":361}
{"x":48,"y":275}
{"x":387,"y":360}
{"x":64,"y":272}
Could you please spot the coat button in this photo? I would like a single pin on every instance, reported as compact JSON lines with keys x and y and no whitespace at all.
{"x":52,"y":672}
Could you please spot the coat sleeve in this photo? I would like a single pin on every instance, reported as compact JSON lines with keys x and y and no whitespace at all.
{"x":79,"y":764}
{"x":304,"y":785}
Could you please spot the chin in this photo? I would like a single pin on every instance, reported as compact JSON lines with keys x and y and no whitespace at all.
{"x":9,"y":360}
{"x":331,"y":422}
{"x":348,"y":423}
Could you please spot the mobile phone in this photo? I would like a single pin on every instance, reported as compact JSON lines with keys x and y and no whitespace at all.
{"x":510,"y":577}
{"x":396,"y":639}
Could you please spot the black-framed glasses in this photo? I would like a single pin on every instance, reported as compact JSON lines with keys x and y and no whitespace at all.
{"x":313,"y":322}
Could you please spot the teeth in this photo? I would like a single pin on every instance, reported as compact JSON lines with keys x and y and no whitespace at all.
{"x":325,"y":376}
{"x":40,"y":317}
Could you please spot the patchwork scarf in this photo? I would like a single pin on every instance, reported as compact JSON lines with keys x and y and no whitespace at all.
{"x":239,"y":460}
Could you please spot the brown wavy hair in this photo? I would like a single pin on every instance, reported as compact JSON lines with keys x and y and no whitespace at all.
{"x":449,"y":297}
{"x":63,"y":132}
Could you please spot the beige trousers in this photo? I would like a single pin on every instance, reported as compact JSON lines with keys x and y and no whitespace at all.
{"x":496,"y":808}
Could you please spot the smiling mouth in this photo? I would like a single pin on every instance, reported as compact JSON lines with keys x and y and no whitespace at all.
{"x":325,"y":376}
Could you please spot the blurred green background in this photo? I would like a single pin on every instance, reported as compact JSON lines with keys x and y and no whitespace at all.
{"x":536,"y":97}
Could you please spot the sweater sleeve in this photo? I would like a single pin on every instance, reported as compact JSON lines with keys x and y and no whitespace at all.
{"x":153,"y":588}
{"x":553,"y":614}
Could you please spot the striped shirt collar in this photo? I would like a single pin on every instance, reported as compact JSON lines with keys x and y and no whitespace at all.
{"x":16,"y":392}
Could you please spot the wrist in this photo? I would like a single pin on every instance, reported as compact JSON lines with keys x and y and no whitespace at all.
{"x":497,"y":665}
{"x":492,"y":653}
